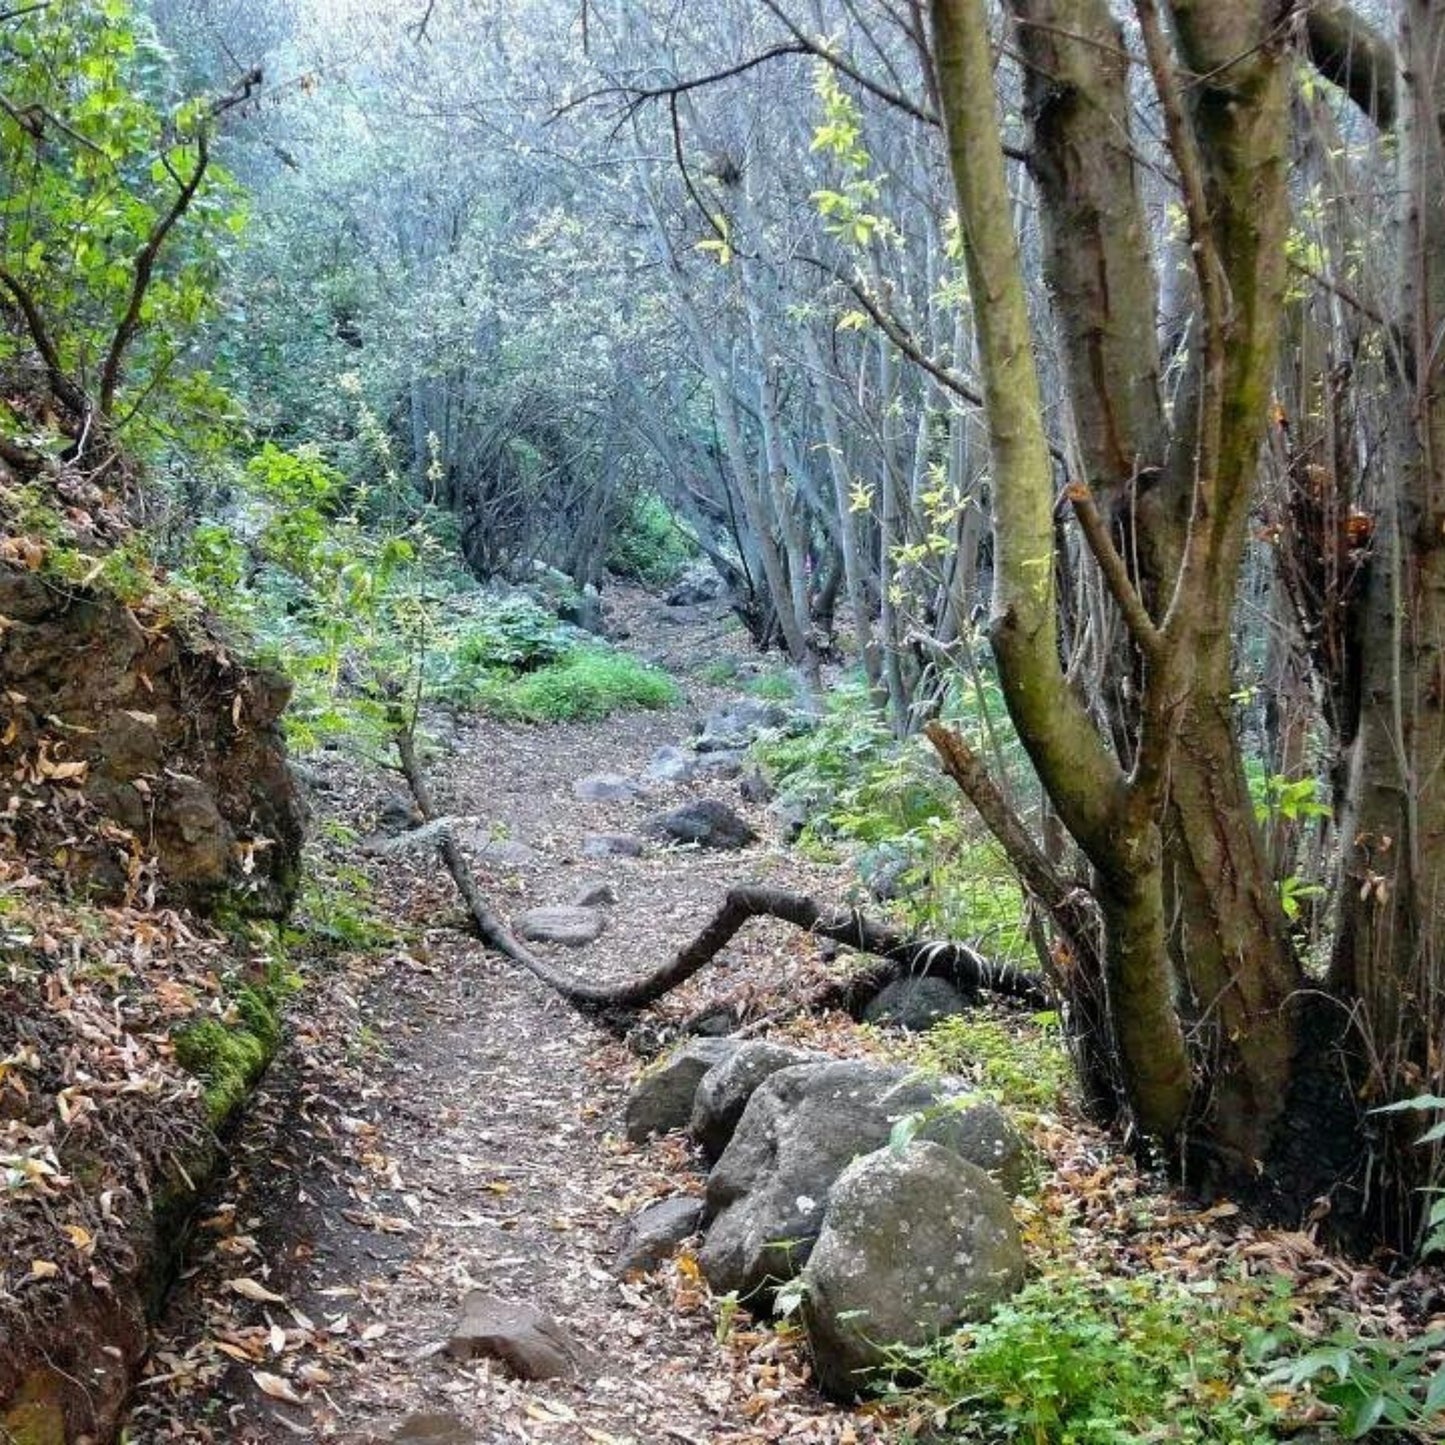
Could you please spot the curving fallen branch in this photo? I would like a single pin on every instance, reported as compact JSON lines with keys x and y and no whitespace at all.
{"x":901,"y":954}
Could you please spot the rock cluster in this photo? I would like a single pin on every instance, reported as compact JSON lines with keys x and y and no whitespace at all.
{"x":885,"y":1194}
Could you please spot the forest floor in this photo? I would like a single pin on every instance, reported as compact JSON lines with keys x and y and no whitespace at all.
{"x":439,"y":1121}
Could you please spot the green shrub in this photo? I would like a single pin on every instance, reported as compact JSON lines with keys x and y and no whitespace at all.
{"x":649,"y":545}
{"x":1373,"y":1384}
{"x":514,"y":633}
{"x":863,"y":786}
{"x":584,"y":685}
{"x":720,"y":671}
{"x":1024,"y":1064}
{"x":776,"y":686}
{"x":1073,"y":1360}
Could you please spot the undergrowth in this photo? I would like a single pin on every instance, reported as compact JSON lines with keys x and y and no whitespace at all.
{"x":1020,"y":1062}
{"x":1086,"y":1360}
{"x":581,"y":686}
{"x":885,"y":801}
{"x":649,"y":545}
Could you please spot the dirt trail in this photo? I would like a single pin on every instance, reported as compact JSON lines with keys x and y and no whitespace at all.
{"x":438,"y":1121}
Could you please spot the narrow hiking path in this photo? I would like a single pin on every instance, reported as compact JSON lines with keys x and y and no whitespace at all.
{"x":439,"y":1121}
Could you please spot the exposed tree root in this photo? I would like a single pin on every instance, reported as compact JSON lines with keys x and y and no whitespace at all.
{"x":902,"y":954}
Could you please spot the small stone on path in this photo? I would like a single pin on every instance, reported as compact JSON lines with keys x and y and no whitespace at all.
{"x":596,"y":895}
{"x":571,"y":927}
{"x":654,"y":1233}
{"x":527,"y":1340}
{"x":607,"y":788}
{"x":708,"y":823}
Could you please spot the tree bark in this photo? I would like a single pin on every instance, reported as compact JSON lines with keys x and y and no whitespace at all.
{"x":1390,"y":953}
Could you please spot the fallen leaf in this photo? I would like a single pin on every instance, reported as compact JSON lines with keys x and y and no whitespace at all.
{"x":251,"y":1289}
{"x":277,"y":1387}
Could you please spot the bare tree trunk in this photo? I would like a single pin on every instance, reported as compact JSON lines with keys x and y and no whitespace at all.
{"x":1390,"y":953}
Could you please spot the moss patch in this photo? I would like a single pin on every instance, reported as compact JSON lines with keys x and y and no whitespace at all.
{"x":230,"y":1056}
{"x":36,"y":1417}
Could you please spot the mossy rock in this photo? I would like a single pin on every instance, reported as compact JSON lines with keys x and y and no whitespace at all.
{"x":229,"y":1058}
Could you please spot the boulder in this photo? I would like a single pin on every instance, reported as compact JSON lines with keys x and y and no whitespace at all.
{"x":755,"y":787}
{"x":654,"y":1234}
{"x":914,"y":1004}
{"x":607,"y":788}
{"x":886,"y":872}
{"x":707,"y":822}
{"x":915,"y":1242}
{"x":661,"y":1100}
{"x":725,"y":1089}
{"x":800,"y":1129}
{"x":571,"y":927}
{"x":734,"y":727}
{"x":612,"y":845}
{"x":699,"y":584}
{"x":722,"y":764}
{"x":792,"y":815}
{"x":670,"y":764}
{"x":526,"y":1339}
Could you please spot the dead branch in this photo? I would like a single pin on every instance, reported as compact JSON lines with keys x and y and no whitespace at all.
{"x":902,"y":953}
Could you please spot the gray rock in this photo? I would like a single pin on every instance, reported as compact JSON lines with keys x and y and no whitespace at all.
{"x":700,"y":584}
{"x":734,"y":727}
{"x":315,"y":780}
{"x":654,"y":1234}
{"x":661,"y":1100}
{"x":503,"y":853}
{"x":527,"y":1340}
{"x":914,"y":1242}
{"x":612,"y":845}
{"x":572,"y":927}
{"x":754,"y":786}
{"x":723,"y":764}
{"x":799,"y":1131}
{"x":670,"y":765}
{"x":395,"y":814}
{"x":607,"y":788}
{"x":886,"y":873}
{"x":914,"y":1004}
{"x":792,"y":817}
{"x":725,"y":1090}
{"x":595,"y":895}
{"x":707,"y":822}
{"x":583,"y":609}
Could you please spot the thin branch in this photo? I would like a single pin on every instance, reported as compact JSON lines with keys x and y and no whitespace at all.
{"x":143,"y":272}
{"x":64,"y":388}
{"x":844,"y":67}
{"x":639,"y":95}
{"x":1115,"y":570}
{"x":906,"y":343}
{"x":681,"y":160}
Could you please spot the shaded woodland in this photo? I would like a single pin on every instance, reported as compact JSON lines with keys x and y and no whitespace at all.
{"x":1052,"y":392}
